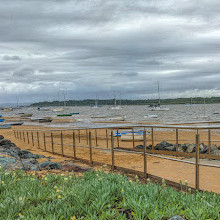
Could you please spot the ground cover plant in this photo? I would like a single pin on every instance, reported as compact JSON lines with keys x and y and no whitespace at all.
{"x":97,"y":195}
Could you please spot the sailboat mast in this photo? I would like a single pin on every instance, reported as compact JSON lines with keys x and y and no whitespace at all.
{"x":115,"y":99}
{"x":158,"y":90}
{"x":64,"y":100}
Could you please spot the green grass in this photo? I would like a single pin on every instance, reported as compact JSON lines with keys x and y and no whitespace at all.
{"x":97,"y":195}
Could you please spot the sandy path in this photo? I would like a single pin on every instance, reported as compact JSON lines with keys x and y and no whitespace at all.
{"x":209,"y":177}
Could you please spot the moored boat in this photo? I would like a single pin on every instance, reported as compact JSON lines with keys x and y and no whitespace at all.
{"x":62,"y":115}
{"x":25,"y":115}
{"x":5,"y":126}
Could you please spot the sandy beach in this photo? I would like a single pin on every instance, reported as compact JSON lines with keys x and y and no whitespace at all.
{"x":171,"y":170}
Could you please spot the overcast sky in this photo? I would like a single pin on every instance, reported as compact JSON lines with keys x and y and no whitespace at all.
{"x":90,"y":48}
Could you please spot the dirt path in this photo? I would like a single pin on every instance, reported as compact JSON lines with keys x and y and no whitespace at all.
{"x":171,"y":170}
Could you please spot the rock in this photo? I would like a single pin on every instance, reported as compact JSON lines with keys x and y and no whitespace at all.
{"x":5,"y":142}
{"x":1,"y":137}
{"x":162,"y":145}
{"x":213,"y":147}
{"x":215,"y":152}
{"x":139,"y":147}
{"x":75,"y":168}
{"x":170,"y":148}
{"x":5,"y":160}
{"x":50,"y":165}
{"x":181,"y":148}
{"x":203,"y":148}
{"x":149,"y":147}
{"x":177,"y":217}
{"x":24,"y":154}
{"x":191,"y":148}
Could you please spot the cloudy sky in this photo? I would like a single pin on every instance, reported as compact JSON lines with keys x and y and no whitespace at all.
{"x":90,"y":48}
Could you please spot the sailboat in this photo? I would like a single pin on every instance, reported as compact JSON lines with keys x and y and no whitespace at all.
{"x":190,"y":104}
{"x":61,"y":109}
{"x":157,"y":107}
{"x":115,"y":107}
{"x":96,"y":104}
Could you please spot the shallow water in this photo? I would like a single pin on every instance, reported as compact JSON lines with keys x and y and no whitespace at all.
{"x":133,"y":113}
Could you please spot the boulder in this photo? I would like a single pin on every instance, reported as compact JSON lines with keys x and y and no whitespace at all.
{"x":213,"y":147}
{"x":6,"y":160}
{"x":139,"y":147}
{"x":24,"y":154}
{"x":216,"y":152}
{"x":191,"y":148}
{"x":170,"y":148}
{"x":177,"y":217}
{"x":203,"y":148}
{"x":1,"y":137}
{"x":73,"y":167}
{"x":149,"y":147}
{"x":4,"y":142}
{"x":181,"y":148}
{"x":50,"y":165}
{"x":162,"y":145}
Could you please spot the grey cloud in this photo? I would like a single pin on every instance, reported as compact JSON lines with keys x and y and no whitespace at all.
{"x":11,"y":58}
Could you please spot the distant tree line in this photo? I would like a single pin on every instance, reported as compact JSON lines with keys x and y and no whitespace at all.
{"x":90,"y":102}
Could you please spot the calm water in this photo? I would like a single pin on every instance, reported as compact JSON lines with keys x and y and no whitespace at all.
{"x":177,"y":113}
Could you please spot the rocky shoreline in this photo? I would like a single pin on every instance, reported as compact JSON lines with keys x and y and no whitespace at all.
{"x":12,"y":157}
{"x":187,"y":147}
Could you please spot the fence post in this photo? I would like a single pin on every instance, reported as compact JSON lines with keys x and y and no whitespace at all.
{"x":45,"y":143}
{"x":133,"y":136}
{"x":144,"y":151}
{"x":90,"y":147}
{"x":106,"y":133}
{"x":197,"y":161}
{"x":38,"y":140}
{"x":96,"y":138}
{"x":117,"y":138}
{"x":32,"y":137}
{"x":61,"y":140}
{"x":209,"y":141}
{"x":74,"y":145}
{"x":177,"y":141}
{"x":152,"y":138}
{"x":79,"y":135}
{"x":113,"y":153}
{"x":87,"y":138}
{"x":52,"y":142}
{"x":20,"y":135}
{"x":23,"y":136}
{"x":28,"y":137}
{"x":14,"y":134}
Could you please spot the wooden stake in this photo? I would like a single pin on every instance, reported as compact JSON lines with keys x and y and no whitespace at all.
{"x":152,"y":138}
{"x":28,"y":137}
{"x":32,"y":137}
{"x":96,"y":137}
{"x":38,"y":140}
{"x":144,"y":154}
{"x":117,"y":138}
{"x":209,"y":141}
{"x":177,"y":141}
{"x":23,"y":137}
{"x":45,"y":148}
{"x":74,"y":145}
{"x":14,"y":133}
{"x":61,"y":140}
{"x":197,"y":161}
{"x":113,"y":153}
{"x":20,"y":134}
{"x":133,"y":137}
{"x":52,"y":145}
{"x":106,"y":133}
{"x":87,"y":137}
{"x":79,"y":135}
{"x":90,"y":147}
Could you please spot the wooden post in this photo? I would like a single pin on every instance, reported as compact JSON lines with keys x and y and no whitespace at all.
{"x":52,"y":145}
{"x":113,"y":153}
{"x":28,"y":138}
{"x":133,"y":137}
{"x":90,"y":147}
{"x":74,"y":145}
{"x":38,"y":140}
{"x":45,"y":148}
{"x":32,"y":137}
{"x":20,"y":135}
{"x":96,"y":138}
{"x":106,"y":133}
{"x":197,"y":161}
{"x":23,"y":136}
{"x":79,"y":135}
{"x":61,"y":140}
{"x":144,"y":154}
{"x":117,"y":138}
{"x":14,"y":133}
{"x":209,"y":141}
{"x":152,"y":138}
{"x":87,"y":137}
{"x":177,"y":141}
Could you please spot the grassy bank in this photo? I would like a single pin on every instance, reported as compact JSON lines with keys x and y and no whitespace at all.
{"x":97,"y":195}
